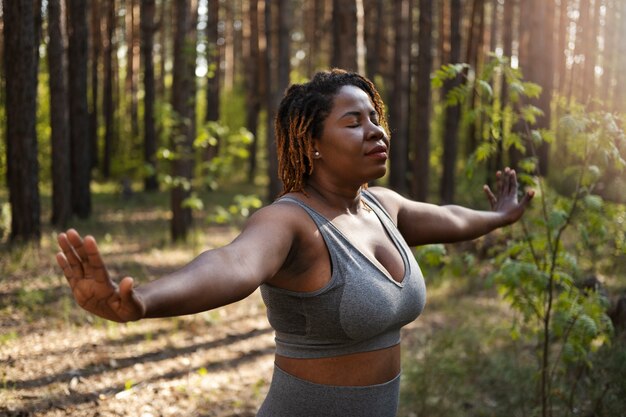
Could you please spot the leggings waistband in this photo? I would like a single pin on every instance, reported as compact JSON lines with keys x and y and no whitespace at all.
{"x":291,"y":396}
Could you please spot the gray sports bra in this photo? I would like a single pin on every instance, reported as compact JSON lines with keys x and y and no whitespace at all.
{"x":360,"y":309}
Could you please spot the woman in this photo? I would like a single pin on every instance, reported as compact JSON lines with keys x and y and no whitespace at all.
{"x":331,"y":257}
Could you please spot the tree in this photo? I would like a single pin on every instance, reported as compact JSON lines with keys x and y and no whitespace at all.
{"x":252,"y":82}
{"x":147,"y":12}
{"x":344,"y":35}
{"x":373,"y":32}
{"x":96,"y":52}
{"x":184,"y":107}
{"x":132,"y":63}
{"x":421,"y":161}
{"x":59,"y":117}
{"x":453,"y":112}
{"x":273,"y":20}
{"x":79,"y":113}
{"x":21,"y":34}
{"x":399,"y":108}
{"x":213,"y":73}
{"x":107,"y":95}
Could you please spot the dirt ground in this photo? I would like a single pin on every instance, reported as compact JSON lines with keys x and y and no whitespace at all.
{"x":215,"y":364}
{"x":57,"y":360}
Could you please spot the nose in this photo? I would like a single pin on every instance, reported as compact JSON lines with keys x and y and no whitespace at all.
{"x":376,"y":132}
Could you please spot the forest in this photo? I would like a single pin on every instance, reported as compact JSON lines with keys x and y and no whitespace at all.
{"x":150,"y":125}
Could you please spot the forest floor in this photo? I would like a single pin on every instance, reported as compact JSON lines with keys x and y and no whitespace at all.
{"x":59,"y":361}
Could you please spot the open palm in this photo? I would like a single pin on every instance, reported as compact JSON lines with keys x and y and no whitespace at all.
{"x":506,"y":201}
{"x":90,"y":282}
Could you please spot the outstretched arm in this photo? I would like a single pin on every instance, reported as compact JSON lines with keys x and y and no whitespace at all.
{"x":213,"y":279}
{"x":422,"y":223}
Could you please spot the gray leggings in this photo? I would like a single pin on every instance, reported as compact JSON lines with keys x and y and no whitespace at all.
{"x":290,"y":396}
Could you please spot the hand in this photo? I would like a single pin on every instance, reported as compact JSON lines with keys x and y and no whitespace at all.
{"x":506,"y":201}
{"x":91,"y":285}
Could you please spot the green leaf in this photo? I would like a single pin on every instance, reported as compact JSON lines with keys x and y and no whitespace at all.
{"x":594,"y":202}
{"x":486,"y":88}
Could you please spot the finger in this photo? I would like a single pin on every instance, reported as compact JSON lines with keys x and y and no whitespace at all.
{"x":65,"y":266}
{"x":513,"y":182}
{"x":527,"y":197}
{"x":498,"y":181}
{"x":97,"y":269}
{"x":506,"y":181}
{"x":77,"y":243}
{"x":70,"y":254}
{"x":490,"y":196}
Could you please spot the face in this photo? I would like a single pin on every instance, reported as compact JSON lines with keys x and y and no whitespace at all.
{"x":353,"y":146}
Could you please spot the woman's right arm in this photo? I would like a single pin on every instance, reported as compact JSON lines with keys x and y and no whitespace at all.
{"x":213,"y":279}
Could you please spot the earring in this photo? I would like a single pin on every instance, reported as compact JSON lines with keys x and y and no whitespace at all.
{"x":316,"y":154}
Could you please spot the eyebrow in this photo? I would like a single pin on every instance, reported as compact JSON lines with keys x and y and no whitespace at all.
{"x":357,"y":113}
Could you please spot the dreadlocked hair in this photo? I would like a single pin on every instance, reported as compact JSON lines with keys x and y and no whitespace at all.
{"x":300,"y":119}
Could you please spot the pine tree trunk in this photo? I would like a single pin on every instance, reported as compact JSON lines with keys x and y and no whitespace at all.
{"x":620,"y":85}
{"x":421,"y":164}
{"x":183,"y":105}
{"x":344,"y":35}
{"x":253,"y":94}
{"x":148,"y":9}
{"x":608,"y":57}
{"x":132,"y":55}
{"x":59,"y":118}
{"x":561,"y":47}
{"x":213,"y":75}
{"x":96,"y":52}
{"x":21,"y":34}
{"x":272,"y":95}
{"x":453,"y":113}
{"x":399,"y":108}
{"x":373,"y":35}
{"x":107,"y":93}
{"x":80,"y":141}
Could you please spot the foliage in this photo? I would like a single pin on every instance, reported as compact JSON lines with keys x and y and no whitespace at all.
{"x":539,"y":274}
{"x":240,"y":208}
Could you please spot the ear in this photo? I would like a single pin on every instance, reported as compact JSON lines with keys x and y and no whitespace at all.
{"x":316,"y":152}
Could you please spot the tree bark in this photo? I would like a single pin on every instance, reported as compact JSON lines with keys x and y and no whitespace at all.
{"x":80,"y":141}
{"x":453,"y":113}
{"x":591,"y":55}
{"x":132,"y":64}
{"x":183,"y":105}
{"x":561,"y":57}
{"x":373,"y":35}
{"x":59,"y":118}
{"x":421,"y":165}
{"x":609,"y":59}
{"x":399,"y":108}
{"x":253,"y":94}
{"x":108,"y":107}
{"x":344,"y":35}
{"x":213,"y":74}
{"x":96,"y":52}
{"x":148,"y":9}
{"x":21,"y":34}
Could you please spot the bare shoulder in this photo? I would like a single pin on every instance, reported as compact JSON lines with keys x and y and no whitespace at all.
{"x":390,"y":200}
{"x":280,"y":219}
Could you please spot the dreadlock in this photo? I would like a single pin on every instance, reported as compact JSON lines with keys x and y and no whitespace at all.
{"x":300,"y":119}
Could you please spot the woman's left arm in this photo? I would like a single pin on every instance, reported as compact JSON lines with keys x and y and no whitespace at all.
{"x":423,"y":223}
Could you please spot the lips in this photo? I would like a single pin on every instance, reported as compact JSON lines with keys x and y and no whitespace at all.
{"x":379,"y":151}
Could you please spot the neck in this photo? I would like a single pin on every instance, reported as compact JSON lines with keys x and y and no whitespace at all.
{"x":344,"y":200}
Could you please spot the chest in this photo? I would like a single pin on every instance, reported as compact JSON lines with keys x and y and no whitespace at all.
{"x":368,"y":235}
